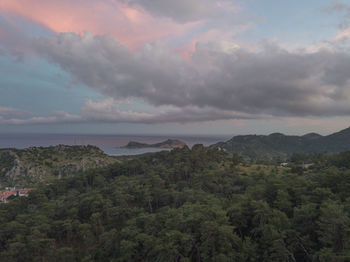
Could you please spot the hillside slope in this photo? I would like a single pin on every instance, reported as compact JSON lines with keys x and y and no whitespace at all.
{"x":278,"y":145}
{"x":38,"y":164}
{"x":182,"y":205}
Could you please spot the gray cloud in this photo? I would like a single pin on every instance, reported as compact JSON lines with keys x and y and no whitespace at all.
{"x":56,"y":117}
{"x":9,"y":113}
{"x":15,"y":37}
{"x":108,"y":111}
{"x":180,"y":10}
{"x":272,"y":81}
{"x":338,"y":6}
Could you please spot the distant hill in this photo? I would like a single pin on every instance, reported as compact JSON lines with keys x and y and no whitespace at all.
{"x":170,"y":143}
{"x":22,"y":167}
{"x":278,"y":145}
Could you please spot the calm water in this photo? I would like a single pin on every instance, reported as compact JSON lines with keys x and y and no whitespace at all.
{"x":110,"y":144}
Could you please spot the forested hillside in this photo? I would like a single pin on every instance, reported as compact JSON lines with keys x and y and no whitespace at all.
{"x":280,"y":146}
{"x":23,"y":167}
{"x":184,"y":205}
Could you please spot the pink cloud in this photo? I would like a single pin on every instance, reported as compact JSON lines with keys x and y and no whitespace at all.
{"x":133,"y":27}
{"x":342,"y":35}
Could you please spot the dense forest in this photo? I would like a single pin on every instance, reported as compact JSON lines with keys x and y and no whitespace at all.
{"x":186,"y":205}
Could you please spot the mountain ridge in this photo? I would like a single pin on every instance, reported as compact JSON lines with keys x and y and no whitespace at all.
{"x":278,"y":145}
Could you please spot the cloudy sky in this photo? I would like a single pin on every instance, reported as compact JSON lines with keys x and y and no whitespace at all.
{"x":174,"y":67}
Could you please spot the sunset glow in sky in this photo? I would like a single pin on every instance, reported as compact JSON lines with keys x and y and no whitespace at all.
{"x":167,"y":67}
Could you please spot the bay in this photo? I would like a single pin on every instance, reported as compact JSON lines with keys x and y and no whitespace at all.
{"x":110,"y":144}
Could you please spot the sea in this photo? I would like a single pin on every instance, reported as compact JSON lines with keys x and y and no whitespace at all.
{"x":110,"y":144}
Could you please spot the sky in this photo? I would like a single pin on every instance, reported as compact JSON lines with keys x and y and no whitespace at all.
{"x":193,"y":67}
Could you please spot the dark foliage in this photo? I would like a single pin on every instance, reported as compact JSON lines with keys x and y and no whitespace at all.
{"x":183,"y":205}
{"x":279,"y":146}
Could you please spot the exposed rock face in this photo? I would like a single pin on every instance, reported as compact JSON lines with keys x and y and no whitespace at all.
{"x":40,"y":164}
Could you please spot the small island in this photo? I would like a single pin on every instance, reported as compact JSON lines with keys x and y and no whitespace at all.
{"x":170,"y":143}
